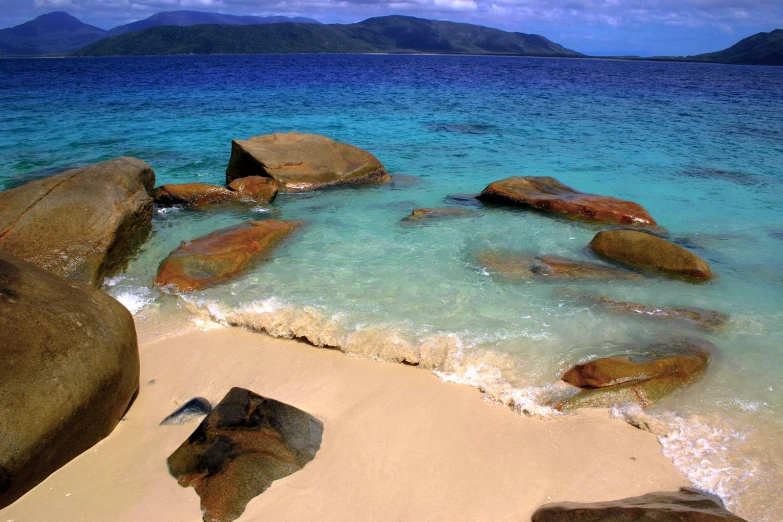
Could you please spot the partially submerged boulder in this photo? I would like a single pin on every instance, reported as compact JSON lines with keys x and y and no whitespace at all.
{"x":220,"y":255}
{"x":648,"y":252}
{"x":547,"y":194}
{"x":257,"y":188}
{"x":686,"y":505}
{"x":516,"y":266}
{"x":425,"y":214}
{"x":70,"y":368}
{"x":705,"y":319}
{"x":643,"y":377}
{"x":302,"y":162}
{"x":240,"y":448}
{"x":252,"y":189}
{"x":82,"y":224}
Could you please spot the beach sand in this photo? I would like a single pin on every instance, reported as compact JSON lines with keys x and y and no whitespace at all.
{"x":399,"y":444}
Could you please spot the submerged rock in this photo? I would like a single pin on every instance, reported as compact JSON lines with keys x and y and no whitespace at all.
{"x":69,"y":369}
{"x":220,"y":255}
{"x":703,"y":318}
{"x":424,"y":214}
{"x":510,"y":265}
{"x":685,"y":358}
{"x":302,"y":162}
{"x":649,"y":252}
{"x":549,"y":195}
{"x":686,"y":505}
{"x":517,"y":266}
{"x":258,"y":188}
{"x":643,"y":377}
{"x":244,"y":445}
{"x":191,"y":410}
{"x":82,"y":224}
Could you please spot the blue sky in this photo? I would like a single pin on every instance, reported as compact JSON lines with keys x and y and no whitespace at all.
{"x":647,"y":27}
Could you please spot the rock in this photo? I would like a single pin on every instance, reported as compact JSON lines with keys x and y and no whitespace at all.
{"x":245,"y":444}
{"x":69,"y":367}
{"x":686,"y":505}
{"x":549,"y":195}
{"x":303,"y":162}
{"x":82,"y":224}
{"x":192,"y":194}
{"x":465,"y":200}
{"x":556,"y":267}
{"x":516,"y":266}
{"x":686,"y":358}
{"x":420,"y":215}
{"x":191,"y":410}
{"x":643,"y":393}
{"x":221,"y":254}
{"x":710,"y":320}
{"x":648,"y":252}
{"x":258,"y":188}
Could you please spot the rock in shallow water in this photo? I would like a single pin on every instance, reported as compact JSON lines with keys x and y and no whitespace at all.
{"x":81,"y":224}
{"x":686,"y":505}
{"x":220,"y":255}
{"x":515,"y":266}
{"x":302,"y":162}
{"x":69,"y":369}
{"x":649,"y":252}
{"x":547,"y":194}
{"x":245,"y":444}
{"x":421,"y":215}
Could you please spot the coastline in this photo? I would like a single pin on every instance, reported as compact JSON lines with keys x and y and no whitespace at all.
{"x":399,"y":443}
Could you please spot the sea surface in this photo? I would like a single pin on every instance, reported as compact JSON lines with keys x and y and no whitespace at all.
{"x":699,"y":145}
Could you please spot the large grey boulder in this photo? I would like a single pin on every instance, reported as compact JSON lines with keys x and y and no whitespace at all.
{"x":81,"y":224}
{"x":69,"y":369}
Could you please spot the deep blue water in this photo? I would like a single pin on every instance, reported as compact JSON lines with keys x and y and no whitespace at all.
{"x":700,"y":146}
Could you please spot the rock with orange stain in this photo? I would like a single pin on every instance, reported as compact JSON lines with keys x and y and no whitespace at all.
{"x":547,"y":194}
{"x":258,"y":188}
{"x":220,"y":255}
{"x":192,"y":194}
{"x":303,"y":162}
{"x":240,"y":448}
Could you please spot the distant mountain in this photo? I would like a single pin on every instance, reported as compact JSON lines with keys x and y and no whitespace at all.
{"x":187,"y":18}
{"x":387,"y":34}
{"x":52,"y":33}
{"x":759,"y":49}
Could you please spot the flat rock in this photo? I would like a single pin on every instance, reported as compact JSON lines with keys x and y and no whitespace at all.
{"x":245,"y":443}
{"x":710,"y":320}
{"x":547,"y":194}
{"x":258,"y":188}
{"x":303,"y":162}
{"x":517,"y":266}
{"x":685,"y":358}
{"x":686,"y":505}
{"x":191,"y":410}
{"x":425,"y":214}
{"x":192,"y":194}
{"x":648,"y":252}
{"x":82,"y":224}
{"x":69,"y":369}
{"x":221,"y":255}
{"x":510,"y":265}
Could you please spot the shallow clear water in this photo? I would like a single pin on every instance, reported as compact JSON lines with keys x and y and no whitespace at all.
{"x":699,"y":146}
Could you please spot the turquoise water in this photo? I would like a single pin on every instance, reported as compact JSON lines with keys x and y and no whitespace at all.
{"x":699,"y":146}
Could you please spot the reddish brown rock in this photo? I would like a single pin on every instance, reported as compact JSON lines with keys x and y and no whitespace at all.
{"x":192,"y":194}
{"x":648,"y":252}
{"x":686,"y":505}
{"x":220,"y":255}
{"x":549,"y":195}
{"x":510,"y":265}
{"x":423,"y":214}
{"x":561,"y":268}
{"x":258,"y":188}
{"x":685,"y":358}
{"x":242,"y":446}
{"x":82,"y":224}
{"x":302,"y":162}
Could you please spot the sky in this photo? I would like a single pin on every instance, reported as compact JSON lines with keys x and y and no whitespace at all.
{"x":595,"y":27}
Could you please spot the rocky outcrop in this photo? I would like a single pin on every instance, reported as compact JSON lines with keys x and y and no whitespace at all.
{"x":69,"y":368}
{"x":420,"y":215}
{"x":82,"y":224}
{"x":648,"y":252}
{"x":252,"y":189}
{"x":710,"y":320}
{"x":643,"y":377}
{"x":686,"y":505}
{"x":546,"y":194}
{"x":303,"y":162}
{"x":516,"y":266}
{"x":221,"y":254}
{"x":245,"y":443}
{"x":257,"y":188}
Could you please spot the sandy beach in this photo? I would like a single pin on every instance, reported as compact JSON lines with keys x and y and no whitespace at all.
{"x":399,"y":444}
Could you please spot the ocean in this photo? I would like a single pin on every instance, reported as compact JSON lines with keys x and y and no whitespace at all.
{"x":698,"y":145}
